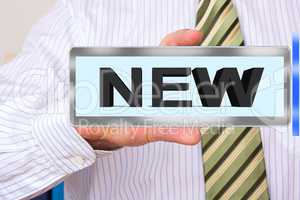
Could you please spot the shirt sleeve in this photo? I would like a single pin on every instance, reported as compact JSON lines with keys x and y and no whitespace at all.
{"x":38,"y":145}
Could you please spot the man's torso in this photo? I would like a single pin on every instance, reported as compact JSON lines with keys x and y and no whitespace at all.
{"x":171,"y":171}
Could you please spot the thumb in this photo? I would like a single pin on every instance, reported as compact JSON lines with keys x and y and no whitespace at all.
{"x":183,"y":37}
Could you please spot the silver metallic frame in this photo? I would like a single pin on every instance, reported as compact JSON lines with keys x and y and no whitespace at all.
{"x":184,"y":120}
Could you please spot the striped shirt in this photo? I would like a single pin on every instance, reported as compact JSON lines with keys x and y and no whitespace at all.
{"x":39,"y":147}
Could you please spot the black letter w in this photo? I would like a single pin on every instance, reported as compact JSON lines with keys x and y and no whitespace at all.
{"x":241,"y":93}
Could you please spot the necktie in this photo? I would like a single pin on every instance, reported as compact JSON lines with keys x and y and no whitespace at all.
{"x":233,"y":158}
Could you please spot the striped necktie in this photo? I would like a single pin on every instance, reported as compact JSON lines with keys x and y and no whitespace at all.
{"x":233,"y":158}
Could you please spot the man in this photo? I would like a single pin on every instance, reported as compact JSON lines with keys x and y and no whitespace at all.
{"x":39,"y":147}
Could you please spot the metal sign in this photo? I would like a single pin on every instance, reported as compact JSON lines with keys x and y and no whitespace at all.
{"x":182,"y":86}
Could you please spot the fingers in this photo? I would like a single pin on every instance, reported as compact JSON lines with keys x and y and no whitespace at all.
{"x":136,"y":136}
{"x":92,"y":133}
{"x":187,"y":136}
{"x":107,"y":138}
{"x":184,"y":37}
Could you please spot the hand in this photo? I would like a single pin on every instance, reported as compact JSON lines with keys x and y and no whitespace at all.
{"x":113,"y":138}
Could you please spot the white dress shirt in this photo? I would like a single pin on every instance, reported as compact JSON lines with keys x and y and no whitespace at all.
{"x":38,"y":145}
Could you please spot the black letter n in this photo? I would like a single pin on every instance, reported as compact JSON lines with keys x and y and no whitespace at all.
{"x":110,"y":80}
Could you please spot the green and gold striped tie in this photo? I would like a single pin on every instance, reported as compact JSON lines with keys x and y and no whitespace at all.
{"x":233,"y":158}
